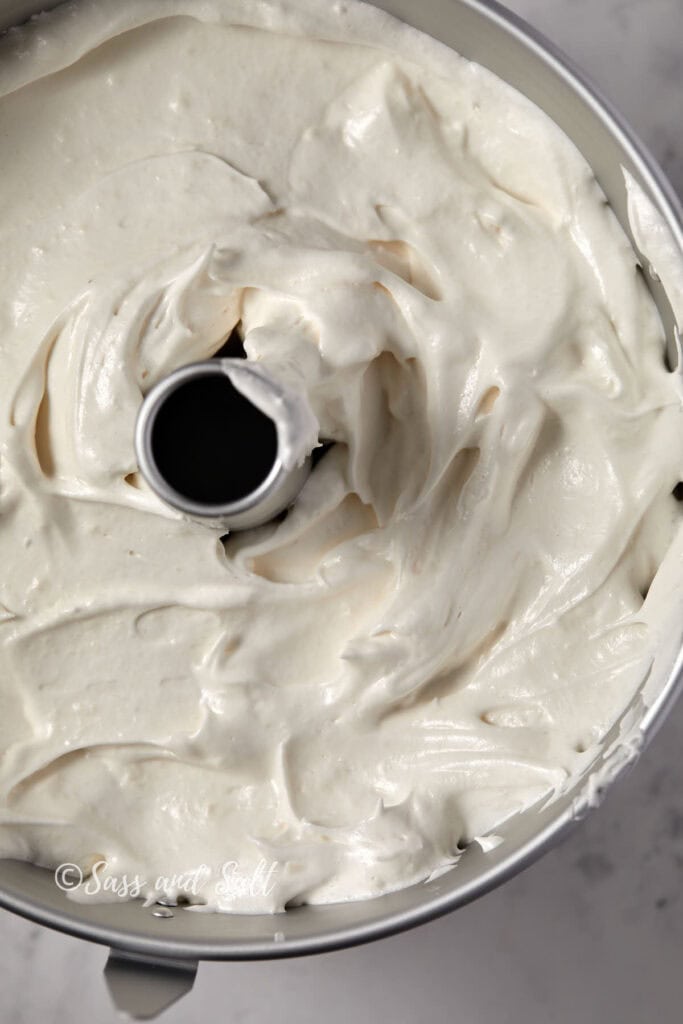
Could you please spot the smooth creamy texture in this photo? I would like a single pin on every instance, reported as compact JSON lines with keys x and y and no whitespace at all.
{"x":659,"y":248}
{"x":451,"y":618}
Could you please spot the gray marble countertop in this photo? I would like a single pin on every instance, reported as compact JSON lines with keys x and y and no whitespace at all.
{"x":593,"y":932}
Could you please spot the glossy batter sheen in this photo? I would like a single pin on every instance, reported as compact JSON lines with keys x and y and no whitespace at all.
{"x":445,"y":626}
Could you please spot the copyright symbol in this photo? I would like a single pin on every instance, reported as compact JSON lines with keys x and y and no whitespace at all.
{"x":68,"y":876}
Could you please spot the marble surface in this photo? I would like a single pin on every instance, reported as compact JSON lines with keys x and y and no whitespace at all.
{"x":594,"y":932}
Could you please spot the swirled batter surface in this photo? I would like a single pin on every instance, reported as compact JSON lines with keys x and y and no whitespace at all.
{"x":452,"y":616}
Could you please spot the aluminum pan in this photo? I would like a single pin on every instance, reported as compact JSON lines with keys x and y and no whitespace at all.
{"x":487,"y":33}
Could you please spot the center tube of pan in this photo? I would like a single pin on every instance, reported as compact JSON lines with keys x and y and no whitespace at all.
{"x":210,"y":443}
{"x":212,"y":453}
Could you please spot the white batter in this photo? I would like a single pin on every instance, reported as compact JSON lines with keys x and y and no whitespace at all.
{"x":451,"y":618}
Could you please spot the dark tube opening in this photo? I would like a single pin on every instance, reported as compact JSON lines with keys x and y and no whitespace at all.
{"x":210,"y":443}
